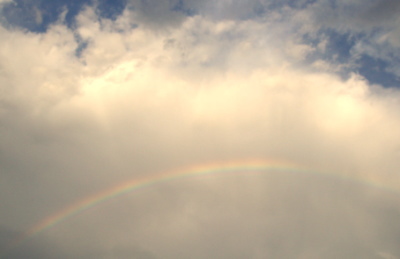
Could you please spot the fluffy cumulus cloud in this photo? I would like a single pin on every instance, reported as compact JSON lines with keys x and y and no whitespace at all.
{"x":93,"y":100}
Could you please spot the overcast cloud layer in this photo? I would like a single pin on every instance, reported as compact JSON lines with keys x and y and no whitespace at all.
{"x":94,"y":95}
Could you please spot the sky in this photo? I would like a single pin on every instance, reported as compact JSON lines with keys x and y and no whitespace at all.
{"x":199,"y":129}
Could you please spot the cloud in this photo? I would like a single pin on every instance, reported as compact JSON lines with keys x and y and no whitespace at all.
{"x":351,"y":31}
{"x":141,"y":99}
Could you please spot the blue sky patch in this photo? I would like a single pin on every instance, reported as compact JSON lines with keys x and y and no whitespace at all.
{"x":37,"y":15}
{"x":376,"y":71}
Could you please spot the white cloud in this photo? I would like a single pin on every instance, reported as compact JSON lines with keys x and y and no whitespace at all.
{"x":139,"y":101}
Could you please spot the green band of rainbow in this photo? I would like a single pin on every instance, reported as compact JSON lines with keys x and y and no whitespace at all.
{"x":126,"y":187}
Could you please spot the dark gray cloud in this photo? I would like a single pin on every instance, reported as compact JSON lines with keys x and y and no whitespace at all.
{"x":381,"y":11}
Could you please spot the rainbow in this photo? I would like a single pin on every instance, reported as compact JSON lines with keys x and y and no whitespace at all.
{"x":246,"y":166}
